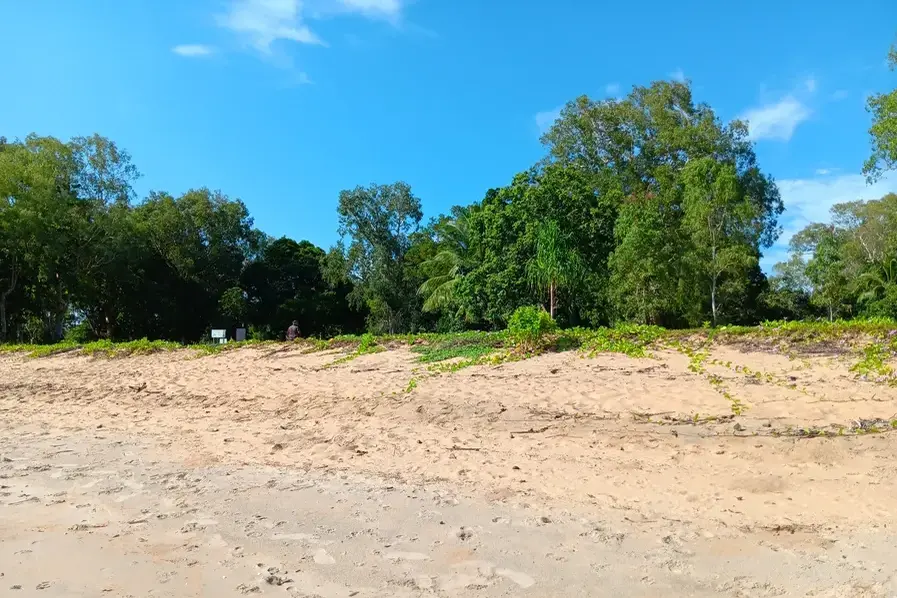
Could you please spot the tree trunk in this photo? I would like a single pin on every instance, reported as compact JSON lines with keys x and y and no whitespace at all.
{"x":831,"y":313}
{"x":551,"y":299}
{"x":713,"y":284}
{"x":13,"y":278}
{"x":59,"y":320}
{"x":110,"y":326}
{"x":3,"y":328}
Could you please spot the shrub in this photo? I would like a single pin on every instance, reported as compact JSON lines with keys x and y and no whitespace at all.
{"x":528,"y":326}
{"x":79,"y":334}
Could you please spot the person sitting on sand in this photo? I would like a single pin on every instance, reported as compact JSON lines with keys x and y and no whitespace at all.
{"x":293,"y":331}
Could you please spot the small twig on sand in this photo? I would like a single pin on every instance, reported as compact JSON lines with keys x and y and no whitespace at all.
{"x":455,"y":447}
{"x":531,"y":431}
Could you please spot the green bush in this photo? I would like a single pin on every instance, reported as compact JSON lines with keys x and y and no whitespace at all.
{"x":79,"y":334}
{"x":528,"y":326}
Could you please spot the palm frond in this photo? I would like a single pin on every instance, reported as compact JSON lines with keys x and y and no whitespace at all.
{"x":442,"y":296}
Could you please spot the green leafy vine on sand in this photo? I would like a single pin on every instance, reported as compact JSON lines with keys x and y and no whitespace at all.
{"x":366,"y":346}
{"x":104,"y":348}
{"x":874,"y":361}
{"x":630,"y":339}
{"x":697,"y":358}
{"x":873,"y":338}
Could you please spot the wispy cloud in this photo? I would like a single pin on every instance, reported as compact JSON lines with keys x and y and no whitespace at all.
{"x":544,"y":120}
{"x":678,"y":75}
{"x":612,"y":89}
{"x":823,"y":171}
{"x":777,"y":120}
{"x":809,"y":200}
{"x":193,"y":50}
{"x":840,"y":94}
{"x":263,"y":22}
{"x":382,"y":8}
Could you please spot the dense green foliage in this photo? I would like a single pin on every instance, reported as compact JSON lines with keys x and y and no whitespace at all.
{"x":528,"y":326}
{"x":844,"y":269}
{"x":80,"y":260}
{"x":883,"y":132}
{"x":646,"y":210}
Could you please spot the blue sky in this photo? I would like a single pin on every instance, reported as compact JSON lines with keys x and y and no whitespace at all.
{"x":283,"y":103}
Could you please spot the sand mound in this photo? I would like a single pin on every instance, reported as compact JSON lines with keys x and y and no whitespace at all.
{"x":648,"y":438}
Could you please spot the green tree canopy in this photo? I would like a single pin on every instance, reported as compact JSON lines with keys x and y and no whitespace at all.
{"x":883,"y":132}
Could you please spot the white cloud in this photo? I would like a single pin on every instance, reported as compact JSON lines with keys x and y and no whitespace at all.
{"x":823,"y":171}
{"x":612,"y":89}
{"x":810,"y":84}
{"x":778,"y":120}
{"x":262,"y":22}
{"x":840,"y":95}
{"x":386,"y":8}
{"x":544,"y":120}
{"x":678,"y":75}
{"x":193,"y":50}
{"x":809,"y":200}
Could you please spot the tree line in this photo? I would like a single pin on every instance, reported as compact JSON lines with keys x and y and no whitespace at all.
{"x":647,"y":209}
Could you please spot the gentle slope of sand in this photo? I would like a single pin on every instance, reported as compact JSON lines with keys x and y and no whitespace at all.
{"x":607,"y":439}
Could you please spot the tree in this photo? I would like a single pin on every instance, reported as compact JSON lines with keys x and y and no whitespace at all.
{"x":286,"y":282}
{"x":555,"y":265}
{"x":377,"y":222}
{"x":788,"y":295}
{"x":38,"y":213}
{"x":448,"y":266}
{"x":648,"y":148}
{"x":645,"y":264}
{"x":197,"y":246}
{"x":645,"y":209}
{"x":232,"y":305}
{"x":720,"y":222}
{"x":504,"y":232}
{"x":883,"y":132}
{"x":826,"y":266}
{"x":106,"y":248}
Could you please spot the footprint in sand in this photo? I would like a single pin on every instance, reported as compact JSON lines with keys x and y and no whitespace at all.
{"x":310,"y":538}
{"x":521,"y":579}
{"x":322,"y":558}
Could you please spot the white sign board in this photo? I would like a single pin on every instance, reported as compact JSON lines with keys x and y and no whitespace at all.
{"x":219,"y":333}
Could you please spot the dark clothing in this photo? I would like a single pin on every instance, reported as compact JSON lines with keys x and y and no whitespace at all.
{"x":292,"y":333}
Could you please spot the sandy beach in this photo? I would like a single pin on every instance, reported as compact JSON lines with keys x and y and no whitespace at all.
{"x":264,"y":471}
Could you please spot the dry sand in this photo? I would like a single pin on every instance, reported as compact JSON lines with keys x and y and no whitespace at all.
{"x":260,"y":471}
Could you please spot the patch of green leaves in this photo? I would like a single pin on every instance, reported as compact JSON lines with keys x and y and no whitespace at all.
{"x":528,"y":326}
{"x":874,"y":361}
{"x":630,"y":339}
{"x":104,"y":348}
{"x":139,"y":347}
{"x":434,"y":354}
{"x":367,"y":344}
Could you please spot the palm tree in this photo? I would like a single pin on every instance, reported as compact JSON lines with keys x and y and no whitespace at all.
{"x":555,"y":265}
{"x":448,"y":266}
{"x":877,"y":283}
